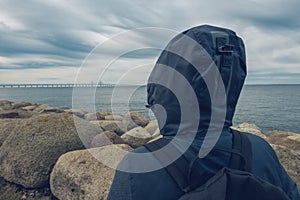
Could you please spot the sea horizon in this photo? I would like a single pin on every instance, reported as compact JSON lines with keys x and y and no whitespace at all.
{"x":130,"y":84}
{"x":269,"y":106}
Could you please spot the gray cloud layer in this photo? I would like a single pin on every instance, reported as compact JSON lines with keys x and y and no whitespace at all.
{"x":54,"y":37}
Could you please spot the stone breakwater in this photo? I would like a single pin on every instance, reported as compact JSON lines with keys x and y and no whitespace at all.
{"x":42,"y":156}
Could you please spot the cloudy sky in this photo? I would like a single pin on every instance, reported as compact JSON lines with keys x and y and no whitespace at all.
{"x":51,"y":41}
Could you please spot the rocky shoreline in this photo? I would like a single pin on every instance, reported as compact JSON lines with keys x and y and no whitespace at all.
{"x":42,"y":156}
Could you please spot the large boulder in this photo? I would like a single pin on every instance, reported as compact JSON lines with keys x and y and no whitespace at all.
{"x":134,"y":119}
{"x":52,"y":110}
{"x":287,"y":139}
{"x":114,"y":117}
{"x":155,"y":136}
{"x":30,"y":107}
{"x":96,"y":116}
{"x":25,"y":113}
{"x":290,"y":160}
{"x":17,"y":105}
{"x":6,"y":127}
{"x":9,"y":114}
{"x":136,"y":137}
{"x":108,"y":125}
{"x":82,"y":175}
{"x":40,"y":108}
{"x":250,"y":128}
{"x":78,"y":112}
{"x":5,"y":105}
{"x":15,"y":114}
{"x":10,"y":191}
{"x":106,"y":138}
{"x":152,"y":126}
{"x":31,"y":149}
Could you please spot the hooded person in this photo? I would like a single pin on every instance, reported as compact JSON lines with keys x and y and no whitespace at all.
{"x":193,"y":91}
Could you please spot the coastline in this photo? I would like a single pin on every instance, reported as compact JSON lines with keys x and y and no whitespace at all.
{"x":269,"y":107}
{"x":43,"y":157}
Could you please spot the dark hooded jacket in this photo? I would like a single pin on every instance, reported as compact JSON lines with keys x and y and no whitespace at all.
{"x":192,"y":62}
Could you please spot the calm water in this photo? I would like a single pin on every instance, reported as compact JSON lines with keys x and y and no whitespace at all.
{"x":270,"y":106}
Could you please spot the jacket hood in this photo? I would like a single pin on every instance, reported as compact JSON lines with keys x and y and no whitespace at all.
{"x":192,"y":73}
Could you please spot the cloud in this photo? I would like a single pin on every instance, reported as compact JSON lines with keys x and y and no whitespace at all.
{"x":38,"y":75}
{"x":275,"y":15}
{"x":58,"y":35}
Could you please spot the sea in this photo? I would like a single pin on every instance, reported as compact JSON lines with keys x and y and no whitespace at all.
{"x":270,"y":107}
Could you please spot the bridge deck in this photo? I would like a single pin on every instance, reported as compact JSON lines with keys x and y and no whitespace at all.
{"x":53,"y":85}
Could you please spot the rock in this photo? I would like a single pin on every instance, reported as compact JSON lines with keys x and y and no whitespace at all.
{"x":295,"y":137}
{"x":290,"y":161}
{"x":31,"y":149}
{"x":156,"y":135}
{"x":96,"y":116}
{"x":136,"y":137}
{"x":40,"y":108}
{"x":6,"y":127}
{"x":250,"y":128}
{"x":15,"y":114}
{"x":79,"y":175}
{"x":91,"y":117}
{"x":52,"y":110}
{"x":18,"y":105}
{"x":4,"y":102}
{"x":152,"y":126}
{"x":10,"y":191}
{"x":114,"y":126}
{"x":24,"y":114}
{"x":114,"y":117}
{"x":287,"y":139}
{"x":95,"y":122}
{"x":78,"y":112}
{"x":29,"y":108}
{"x":5,"y":105}
{"x":156,"y":138}
{"x":9,"y":114}
{"x":134,"y":119}
{"x":106,"y":138}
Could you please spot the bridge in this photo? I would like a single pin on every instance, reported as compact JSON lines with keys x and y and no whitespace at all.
{"x":65,"y":85}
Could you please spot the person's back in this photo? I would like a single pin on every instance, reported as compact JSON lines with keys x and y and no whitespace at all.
{"x":193,"y":91}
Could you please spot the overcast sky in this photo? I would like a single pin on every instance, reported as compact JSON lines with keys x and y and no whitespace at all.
{"x":47,"y":41}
